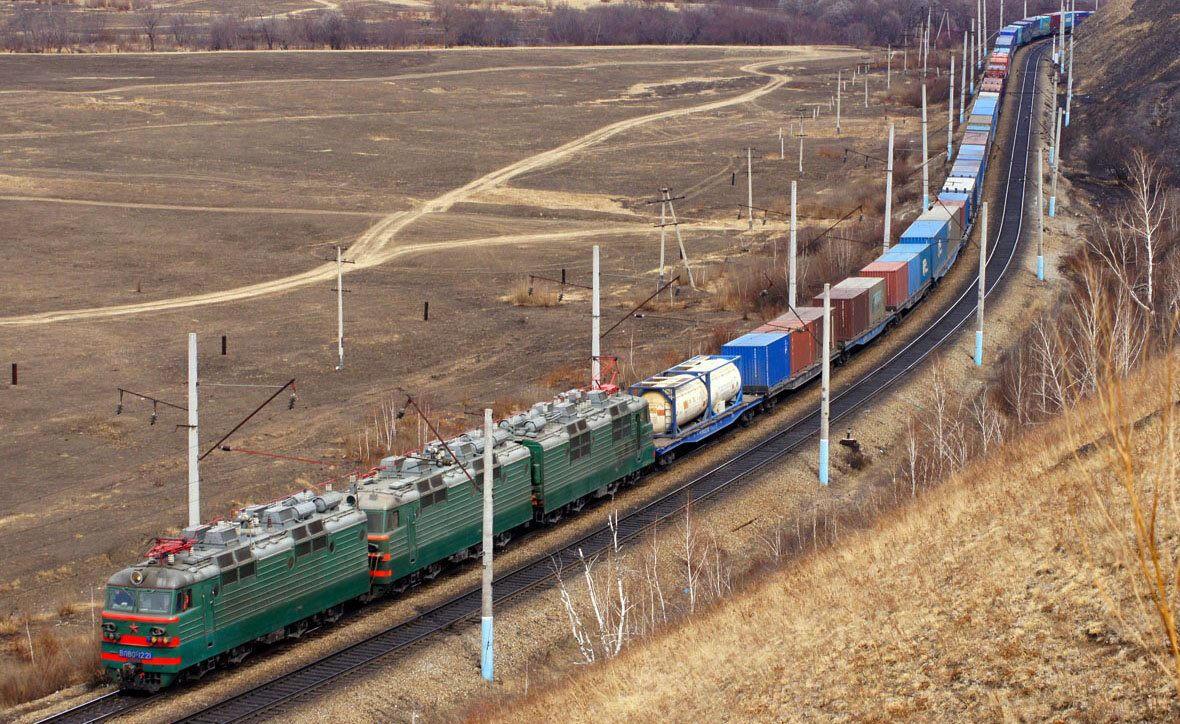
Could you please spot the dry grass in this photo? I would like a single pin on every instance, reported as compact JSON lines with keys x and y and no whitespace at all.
{"x":976,"y":603}
{"x":53,"y":664}
{"x":538,"y":295}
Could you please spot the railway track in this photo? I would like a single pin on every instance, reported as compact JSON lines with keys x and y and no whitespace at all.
{"x":272,"y":695}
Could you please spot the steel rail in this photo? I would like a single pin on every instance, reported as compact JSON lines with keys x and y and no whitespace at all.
{"x":266,"y":697}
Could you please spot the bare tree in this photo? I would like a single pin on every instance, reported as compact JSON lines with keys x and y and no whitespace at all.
{"x":180,"y":29}
{"x":151,"y":22}
{"x":1146,"y":212}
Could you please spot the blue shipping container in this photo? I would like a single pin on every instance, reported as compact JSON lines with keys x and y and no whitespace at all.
{"x":971,"y":150}
{"x":940,"y":247}
{"x":917,"y":262}
{"x":764,"y":359}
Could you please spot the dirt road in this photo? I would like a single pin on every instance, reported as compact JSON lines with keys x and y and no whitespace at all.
{"x":376,"y":245}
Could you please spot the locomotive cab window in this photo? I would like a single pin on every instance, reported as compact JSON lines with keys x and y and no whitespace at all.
{"x":394,"y":519}
{"x":376,"y":521}
{"x":121,"y":600}
{"x":184,"y":599}
{"x":580,"y":446}
{"x":155,"y":601}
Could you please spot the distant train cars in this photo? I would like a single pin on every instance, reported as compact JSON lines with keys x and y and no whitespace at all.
{"x":274,"y":570}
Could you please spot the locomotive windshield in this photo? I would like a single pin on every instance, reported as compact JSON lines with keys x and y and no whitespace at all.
{"x":121,"y":599}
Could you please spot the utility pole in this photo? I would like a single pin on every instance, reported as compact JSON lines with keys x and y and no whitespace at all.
{"x":749,"y":187}
{"x":1040,"y":215}
{"x":663,"y":223}
{"x":800,"y":150}
{"x":1053,"y":198}
{"x":1069,"y":83}
{"x":340,"y":306}
{"x":974,"y":70}
{"x":979,"y":303}
{"x":866,"y":91}
{"x":782,"y":145}
{"x":963,"y":82}
{"x":824,"y":387}
{"x":889,"y":67}
{"x":950,"y":112}
{"x":888,"y":192}
{"x":1001,"y":14}
{"x":194,"y":475}
{"x":486,"y":648}
{"x":595,"y":365}
{"x":1061,"y":41}
{"x":925,"y":156}
{"x":838,"y":82}
{"x":666,"y":207}
{"x":791,"y":251}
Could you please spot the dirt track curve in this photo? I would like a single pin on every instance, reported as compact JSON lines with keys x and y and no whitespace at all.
{"x":373,"y":247}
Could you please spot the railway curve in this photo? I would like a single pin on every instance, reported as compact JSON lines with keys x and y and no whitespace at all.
{"x":273,"y":694}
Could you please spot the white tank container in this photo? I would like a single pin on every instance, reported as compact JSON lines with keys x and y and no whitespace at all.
{"x":691,"y":398}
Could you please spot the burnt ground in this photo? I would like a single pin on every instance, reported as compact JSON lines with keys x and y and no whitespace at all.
{"x":115,"y":195}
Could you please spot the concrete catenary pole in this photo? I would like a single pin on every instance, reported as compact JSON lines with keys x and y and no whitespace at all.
{"x":782,"y":145}
{"x":486,"y":648}
{"x":971,"y":80}
{"x":838,"y":82}
{"x":1040,"y":215}
{"x":1061,"y":40}
{"x":982,"y":287}
{"x":800,"y":154}
{"x":889,"y":67}
{"x":963,"y":80}
{"x":950,"y":111}
{"x":792,"y":251}
{"x":750,"y":186}
{"x":595,"y":322}
{"x":888,"y":193}
{"x":1069,"y":83}
{"x":340,"y":307}
{"x":925,"y":156}
{"x":663,"y":226}
{"x":1053,"y":198}
{"x":194,"y":475}
{"x":825,"y":386}
{"x":866,"y":96}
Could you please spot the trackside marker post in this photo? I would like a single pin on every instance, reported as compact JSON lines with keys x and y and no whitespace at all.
{"x":825,"y":386}
{"x":486,"y":631}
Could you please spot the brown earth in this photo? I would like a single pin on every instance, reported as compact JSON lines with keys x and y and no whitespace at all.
{"x":237,"y":189}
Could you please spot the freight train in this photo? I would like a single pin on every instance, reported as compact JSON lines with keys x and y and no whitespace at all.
{"x":274,"y":570}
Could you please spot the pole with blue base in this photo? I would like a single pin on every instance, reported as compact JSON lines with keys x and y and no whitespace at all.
{"x":963,"y":81}
{"x":825,"y":386}
{"x":1040,"y":215}
{"x":982,"y":286}
{"x":486,"y":647}
{"x":925,"y":156}
{"x":1053,"y":196}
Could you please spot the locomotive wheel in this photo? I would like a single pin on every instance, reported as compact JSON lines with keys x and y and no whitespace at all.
{"x":501,"y":540}
{"x":431,"y":572}
{"x":666,"y":459}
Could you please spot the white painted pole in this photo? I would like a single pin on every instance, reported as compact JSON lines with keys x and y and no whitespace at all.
{"x":800,"y":155}
{"x":889,"y":67}
{"x":194,"y":475}
{"x":750,"y":186}
{"x":925,"y":48}
{"x":838,"y":82}
{"x":782,"y":145}
{"x":866,"y":92}
{"x":925,"y":156}
{"x":595,"y":321}
{"x":1040,"y":215}
{"x":963,"y":80}
{"x":888,"y":193}
{"x":974,"y":69}
{"x":1001,"y":14}
{"x":791,"y":289}
{"x":340,"y":307}
{"x":486,"y":638}
{"x":978,"y":32}
{"x":663,"y":226}
{"x":680,"y":242}
{"x":982,"y":287}
{"x":1061,"y":40}
{"x":1069,"y":83}
{"x":825,"y":386}
{"x":1053,"y":198}
{"x":950,"y":112}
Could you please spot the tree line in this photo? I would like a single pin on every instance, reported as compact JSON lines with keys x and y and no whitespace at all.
{"x":104,"y":25}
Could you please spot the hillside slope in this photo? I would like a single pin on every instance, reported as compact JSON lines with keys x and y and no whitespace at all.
{"x":974,"y":604}
{"x":1127,"y":86}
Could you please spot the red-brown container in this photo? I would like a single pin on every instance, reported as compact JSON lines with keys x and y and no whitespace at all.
{"x":850,"y":311}
{"x":807,"y":333}
{"x":897,"y":279}
{"x":992,"y":85}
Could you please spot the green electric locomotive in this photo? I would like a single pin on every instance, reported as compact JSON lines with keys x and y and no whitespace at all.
{"x":207,"y":597}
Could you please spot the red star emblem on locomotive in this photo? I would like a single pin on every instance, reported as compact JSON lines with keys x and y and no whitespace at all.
{"x":134,"y":628}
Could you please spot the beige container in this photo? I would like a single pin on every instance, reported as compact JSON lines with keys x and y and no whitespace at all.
{"x":691,"y":398}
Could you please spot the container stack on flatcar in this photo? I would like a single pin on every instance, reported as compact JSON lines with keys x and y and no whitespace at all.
{"x":275,"y":569}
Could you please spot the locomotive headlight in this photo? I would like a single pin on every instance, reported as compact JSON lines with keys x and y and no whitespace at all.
{"x":108,"y":627}
{"x":157,"y":630}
